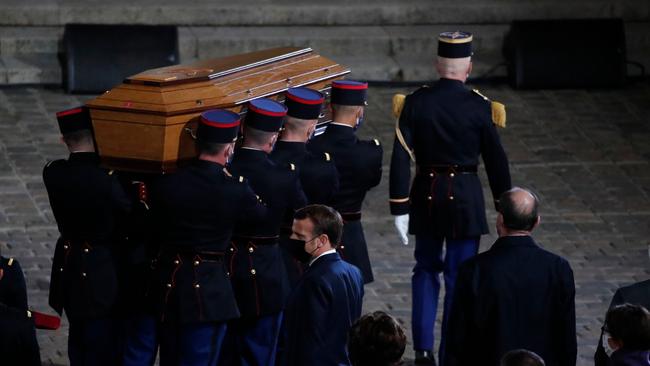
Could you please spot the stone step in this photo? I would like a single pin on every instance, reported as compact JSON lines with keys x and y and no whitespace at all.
{"x":309,"y":12}
{"x":387,"y":53}
{"x":210,"y":42}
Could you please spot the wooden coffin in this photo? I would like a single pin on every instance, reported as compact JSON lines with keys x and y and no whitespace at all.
{"x":147,"y":123}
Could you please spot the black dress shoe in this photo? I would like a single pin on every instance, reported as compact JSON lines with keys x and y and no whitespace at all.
{"x":424,"y":358}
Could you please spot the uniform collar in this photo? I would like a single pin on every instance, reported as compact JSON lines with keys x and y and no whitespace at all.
{"x":450,"y":83}
{"x":249,"y":154}
{"x":208,"y":164}
{"x":339,"y":130}
{"x":84,"y":157}
{"x":292,"y":146}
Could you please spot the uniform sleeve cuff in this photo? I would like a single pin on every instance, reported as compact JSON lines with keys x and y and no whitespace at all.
{"x":398,"y":207}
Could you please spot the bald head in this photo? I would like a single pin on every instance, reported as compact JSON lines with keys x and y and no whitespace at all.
{"x":454,"y":68}
{"x":518,"y":210}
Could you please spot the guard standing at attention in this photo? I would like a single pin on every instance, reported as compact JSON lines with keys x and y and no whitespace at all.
{"x":195,"y":210}
{"x":318,"y":175}
{"x":358,"y":163}
{"x":444,"y":129}
{"x":256,"y":265}
{"x":90,"y":207}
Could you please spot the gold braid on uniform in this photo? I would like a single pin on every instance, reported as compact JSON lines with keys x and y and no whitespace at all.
{"x":398,"y":105}
{"x":498,"y":110}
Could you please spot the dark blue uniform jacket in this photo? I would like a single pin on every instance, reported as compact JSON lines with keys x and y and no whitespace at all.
{"x":90,"y":207}
{"x":196,"y":210}
{"x":258,"y":271}
{"x":446,"y":125}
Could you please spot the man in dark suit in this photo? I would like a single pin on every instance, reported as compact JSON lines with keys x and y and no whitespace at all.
{"x":358,"y":163}
{"x":196,"y":210}
{"x":637,"y":294}
{"x":256,"y":266}
{"x":318,"y":175}
{"x":515,"y":295}
{"x":89,"y":206}
{"x":444,"y":129}
{"x":328,"y":298}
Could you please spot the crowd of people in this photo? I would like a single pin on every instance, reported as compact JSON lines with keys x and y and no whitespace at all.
{"x":254,"y":254}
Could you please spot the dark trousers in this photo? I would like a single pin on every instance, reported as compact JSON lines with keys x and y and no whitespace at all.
{"x":426,"y":284}
{"x":140,"y":341}
{"x":191,"y":344}
{"x":94,"y":342}
{"x":253,"y":341}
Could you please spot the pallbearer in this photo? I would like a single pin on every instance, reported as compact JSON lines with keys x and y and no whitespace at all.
{"x":444,"y":129}
{"x":358,"y":163}
{"x":257,"y":269}
{"x":318,"y":175}
{"x":196,"y":210}
{"x":88,"y":204}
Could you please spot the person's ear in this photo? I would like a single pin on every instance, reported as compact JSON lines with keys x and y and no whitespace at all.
{"x":469,"y":69}
{"x":537,"y":222}
{"x":310,"y":130}
{"x":499,"y":224}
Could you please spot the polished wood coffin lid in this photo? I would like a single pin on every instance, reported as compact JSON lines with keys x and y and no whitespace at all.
{"x":142,"y":124}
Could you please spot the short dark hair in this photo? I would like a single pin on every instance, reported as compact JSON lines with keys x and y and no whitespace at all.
{"x":521,"y":357}
{"x":376,"y":339}
{"x":77,"y":137}
{"x":629,"y":324}
{"x":326,"y":221}
{"x":515,"y":215}
{"x":257,"y":137}
{"x":210,"y":148}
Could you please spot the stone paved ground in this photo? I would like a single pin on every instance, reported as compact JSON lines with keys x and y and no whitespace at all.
{"x":587,"y":153}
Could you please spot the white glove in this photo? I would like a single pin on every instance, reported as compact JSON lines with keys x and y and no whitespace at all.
{"x":402,"y":226}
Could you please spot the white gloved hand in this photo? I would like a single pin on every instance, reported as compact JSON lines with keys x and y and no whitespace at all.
{"x":402,"y":226}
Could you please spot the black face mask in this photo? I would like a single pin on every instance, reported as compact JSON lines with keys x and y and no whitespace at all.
{"x":297,"y":250}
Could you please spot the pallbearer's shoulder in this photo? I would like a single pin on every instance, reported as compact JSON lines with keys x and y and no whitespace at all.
{"x":52,"y":164}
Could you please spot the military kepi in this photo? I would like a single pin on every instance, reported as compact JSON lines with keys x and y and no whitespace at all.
{"x":349,"y":92}
{"x":455,"y":44}
{"x":74,"y":119}
{"x":265,"y":115}
{"x":218,"y":126}
{"x":304,"y":103}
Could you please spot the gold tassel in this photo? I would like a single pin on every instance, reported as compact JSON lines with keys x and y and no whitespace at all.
{"x":398,"y":105}
{"x":499,"y":114}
